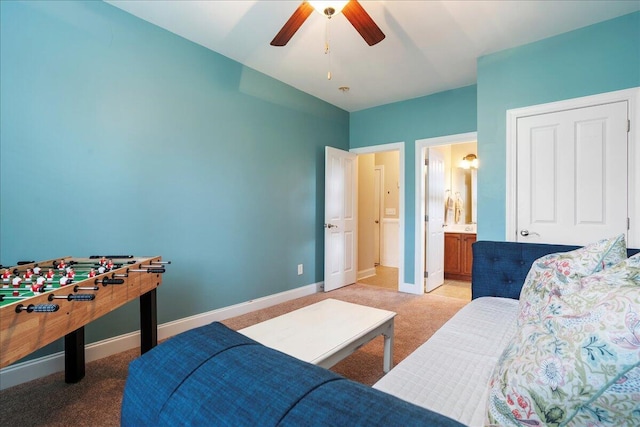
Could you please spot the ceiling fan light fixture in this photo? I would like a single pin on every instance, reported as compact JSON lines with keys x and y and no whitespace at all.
{"x":328,"y":8}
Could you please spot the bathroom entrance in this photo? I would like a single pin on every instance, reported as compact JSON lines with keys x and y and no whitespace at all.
{"x":446,"y":189}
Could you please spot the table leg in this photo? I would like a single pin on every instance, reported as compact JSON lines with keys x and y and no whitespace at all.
{"x":148,"y":321}
{"x":388,"y":348}
{"x":74,"y":368}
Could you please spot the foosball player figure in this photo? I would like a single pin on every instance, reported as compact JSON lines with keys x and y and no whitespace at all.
{"x":49,"y":275}
{"x":36,"y":270}
{"x":40,"y":280}
{"x":36,"y":287}
{"x":92,"y":273}
{"x":71,"y":273}
{"x":109,"y":265}
{"x":28,"y":274}
{"x":16,"y":282}
{"x":103,"y":261}
{"x":62,"y":265}
{"x":6,"y":275}
{"x":64,"y":280}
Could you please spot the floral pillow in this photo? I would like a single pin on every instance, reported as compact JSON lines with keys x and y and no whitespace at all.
{"x":580,"y":365}
{"x":556,"y":272}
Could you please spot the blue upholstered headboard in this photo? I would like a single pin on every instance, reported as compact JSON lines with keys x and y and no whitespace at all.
{"x":499,"y":268}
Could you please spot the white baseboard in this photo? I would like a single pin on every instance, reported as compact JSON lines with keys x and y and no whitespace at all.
{"x":37,"y":368}
{"x":363,"y":274}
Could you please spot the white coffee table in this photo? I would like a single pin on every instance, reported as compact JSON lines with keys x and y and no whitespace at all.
{"x":326,"y":332}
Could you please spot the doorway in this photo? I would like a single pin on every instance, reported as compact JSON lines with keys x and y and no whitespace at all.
{"x":386,"y":206}
{"x":429,"y":250}
{"x":378,"y":208}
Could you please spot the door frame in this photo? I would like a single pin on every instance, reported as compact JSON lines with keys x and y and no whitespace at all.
{"x":632,"y":96}
{"x":395,"y":146}
{"x":421,"y":145}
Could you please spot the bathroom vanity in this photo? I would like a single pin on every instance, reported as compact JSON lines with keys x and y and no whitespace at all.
{"x":458,"y":257}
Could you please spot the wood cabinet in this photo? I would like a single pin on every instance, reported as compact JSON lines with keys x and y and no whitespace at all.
{"x":458,"y":257}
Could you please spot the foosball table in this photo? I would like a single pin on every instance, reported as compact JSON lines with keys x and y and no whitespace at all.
{"x":43,"y":301}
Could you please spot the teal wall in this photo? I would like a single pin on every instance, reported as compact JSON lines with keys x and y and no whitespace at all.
{"x":120,"y":137}
{"x":444,"y":113}
{"x":600,"y":58}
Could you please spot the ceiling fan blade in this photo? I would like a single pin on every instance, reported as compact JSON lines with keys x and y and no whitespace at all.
{"x":363,"y":23}
{"x":291,"y":26}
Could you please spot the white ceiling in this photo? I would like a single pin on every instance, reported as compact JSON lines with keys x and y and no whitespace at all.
{"x":430,"y":46}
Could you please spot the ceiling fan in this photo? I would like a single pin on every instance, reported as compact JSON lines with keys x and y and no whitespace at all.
{"x":352,"y":10}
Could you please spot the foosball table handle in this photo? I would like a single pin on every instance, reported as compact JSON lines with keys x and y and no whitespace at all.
{"x":74,"y":297}
{"x":106,"y":282}
{"x":38,"y":308}
{"x":149,"y":270}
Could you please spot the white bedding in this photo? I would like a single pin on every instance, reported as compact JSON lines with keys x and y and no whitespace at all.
{"x":450,"y":372}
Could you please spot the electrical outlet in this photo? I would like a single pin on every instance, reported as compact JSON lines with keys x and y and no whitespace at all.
{"x":300,"y":269}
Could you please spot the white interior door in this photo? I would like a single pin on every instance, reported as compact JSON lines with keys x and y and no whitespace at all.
{"x":340,"y":214}
{"x":435,"y":224}
{"x":572,"y":175}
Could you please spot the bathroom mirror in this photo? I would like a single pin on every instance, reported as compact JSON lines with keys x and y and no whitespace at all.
{"x":464,"y":192}
{"x":470,"y":192}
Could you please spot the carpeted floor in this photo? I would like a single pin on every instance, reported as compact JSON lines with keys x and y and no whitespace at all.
{"x":96,"y":400}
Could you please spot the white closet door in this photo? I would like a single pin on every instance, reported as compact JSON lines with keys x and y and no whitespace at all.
{"x":572,"y":175}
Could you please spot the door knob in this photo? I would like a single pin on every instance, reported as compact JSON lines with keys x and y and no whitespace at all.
{"x":330,"y":226}
{"x":376,"y":221}
{"x":525,"y":233}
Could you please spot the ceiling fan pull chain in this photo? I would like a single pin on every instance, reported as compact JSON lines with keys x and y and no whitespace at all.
{"x":327,"y":49}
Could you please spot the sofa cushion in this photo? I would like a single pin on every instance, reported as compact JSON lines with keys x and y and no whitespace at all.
{"x":557,"y":272}
{"x":449,"y":373}
{"x":580,"y":364}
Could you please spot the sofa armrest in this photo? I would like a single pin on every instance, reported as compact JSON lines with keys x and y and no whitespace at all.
{"x":213,"y":375}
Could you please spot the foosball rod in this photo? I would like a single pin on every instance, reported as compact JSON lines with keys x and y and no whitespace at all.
{"x":10,"y":297}
{"x":16,"y":271}
{"x":74,"y":297}
{"x":72,"y":263}
{"x":111,"y":256}
{"x":77,"y":288}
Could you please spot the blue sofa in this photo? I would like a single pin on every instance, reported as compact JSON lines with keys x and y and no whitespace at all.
{"x":215,"y":376}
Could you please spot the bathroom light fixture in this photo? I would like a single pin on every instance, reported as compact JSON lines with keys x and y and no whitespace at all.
{"x":470,"y":161}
